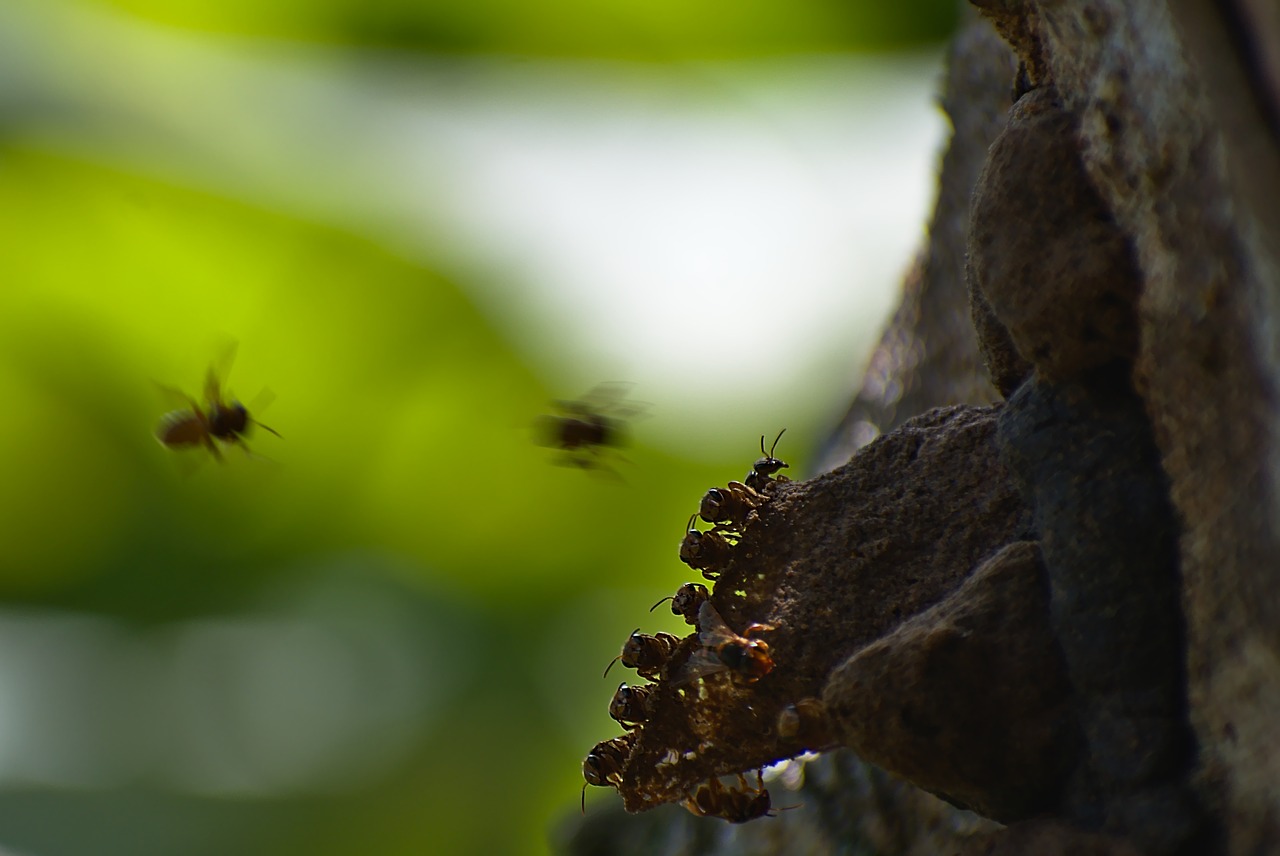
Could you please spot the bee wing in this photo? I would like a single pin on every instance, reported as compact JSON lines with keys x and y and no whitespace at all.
{"x":261,"y":401}
{"x":212,"y":388}
{"x":607,"y":398}
{"x":712,"y":631}
{"x":175,"y":398}
{"x":219,"y":370}
{"x":702,"y":663}
{"x":607,"y":394}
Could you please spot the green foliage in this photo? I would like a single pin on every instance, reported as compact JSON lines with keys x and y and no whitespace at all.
{"x":406,"y":439}
{"x":404,"y":531}
{"x":652,"y":30}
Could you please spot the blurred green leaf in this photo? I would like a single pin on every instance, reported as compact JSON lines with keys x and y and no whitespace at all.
{"x":653,"y":30}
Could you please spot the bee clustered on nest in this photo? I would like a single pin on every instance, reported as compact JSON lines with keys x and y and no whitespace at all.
{"x":803,"y":576}
{"x":700,"y":678}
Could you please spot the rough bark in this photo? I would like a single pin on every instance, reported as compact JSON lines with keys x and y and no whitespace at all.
{"x":1058,"y":611}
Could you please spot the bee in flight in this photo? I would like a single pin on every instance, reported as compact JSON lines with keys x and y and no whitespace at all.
{"x":218,"y":421}
{"x":584,"y":429}
{"x":743,"y":656}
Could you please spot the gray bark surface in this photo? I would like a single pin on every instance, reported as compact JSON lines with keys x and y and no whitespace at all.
{"x":1091,"y":652}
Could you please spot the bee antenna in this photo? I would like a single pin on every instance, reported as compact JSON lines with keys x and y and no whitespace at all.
{"x":619,"y":657}
{"x":775,"y":442}
{"x":689,"y":526}
{"x":267,"y":428}
{"x":661,"y":602}
{"x":584,"y":799}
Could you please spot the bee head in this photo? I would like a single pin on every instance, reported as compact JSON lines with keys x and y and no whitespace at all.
{"x":227,"y":420}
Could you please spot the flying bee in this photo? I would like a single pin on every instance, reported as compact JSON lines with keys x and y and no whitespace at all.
{"x":708,"y":552}
{"x":727,"y":507}
{"x":646,"y":654}
{"x":761,"y":475}
{"x":218,"y":420}
{"x":630,"y":705}
{"x":736,"y":805}
{"x":686,"y":601}
{"x":744,"y":657}
{"x":585,"y":428}
{"x":603,"y":764}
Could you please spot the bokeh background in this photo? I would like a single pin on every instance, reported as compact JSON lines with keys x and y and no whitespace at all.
{"x":414,"y":224}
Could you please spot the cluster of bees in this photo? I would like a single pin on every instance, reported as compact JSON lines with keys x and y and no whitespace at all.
{"x":584,"y":431}
{"x":745,"y":657}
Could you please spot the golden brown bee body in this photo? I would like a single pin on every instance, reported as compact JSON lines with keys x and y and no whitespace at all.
{"x":746,"y":658}
{"x":219,"y":420}
{"x":708,"y":552}
{"x":646,"y":654}
{"x":761,"y":475}
{"x":727,"y":507}
{"x":630,"y":705}
{"x":686,"y":602}
{"x":585,"y":431}
{"x":736,"y":805}
{"x":184,"y":428}
{"x":603,"y":764}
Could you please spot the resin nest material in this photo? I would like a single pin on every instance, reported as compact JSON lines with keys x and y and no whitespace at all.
{"x":831,"y":565}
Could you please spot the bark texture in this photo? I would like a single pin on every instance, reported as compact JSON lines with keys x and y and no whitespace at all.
{"x":1058,"y":610}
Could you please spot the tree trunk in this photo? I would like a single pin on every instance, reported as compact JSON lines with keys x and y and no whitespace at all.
{"x":1059,"y":610}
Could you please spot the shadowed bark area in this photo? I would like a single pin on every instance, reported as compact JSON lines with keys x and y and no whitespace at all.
{"x":832,"y":564}
{"x":1073,"y":618}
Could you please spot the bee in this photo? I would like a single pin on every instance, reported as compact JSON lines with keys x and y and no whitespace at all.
{"x":805,"y":722}
{"x":712,"y":799}
{"x":583,"y":429}
{"x":763,"y":469}
{"x":630,"y":705}
{"x":646,"y":654}
{"x":219,"y":420}
{"x":708,"y":552}
{"x":746,"y":658}
{"x":686,"y":601}
{"x":603,"y":764}
{"x":727,"y":507}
